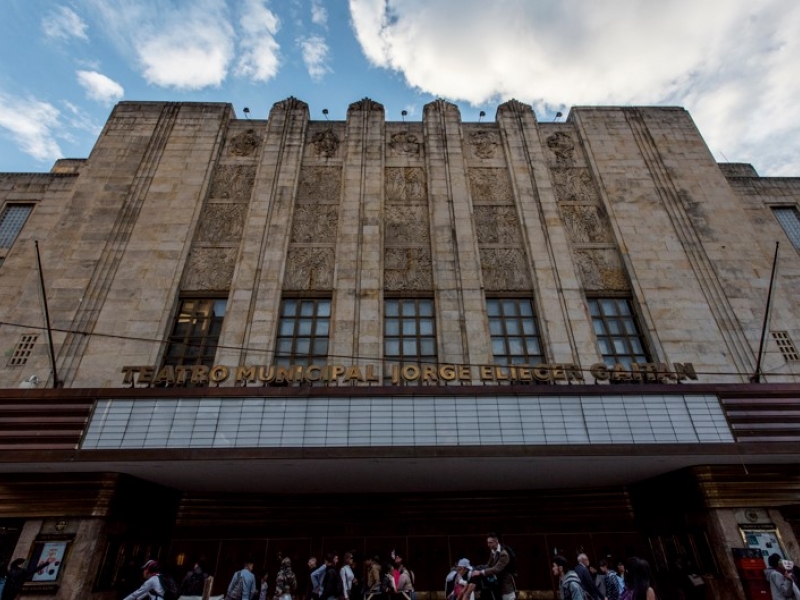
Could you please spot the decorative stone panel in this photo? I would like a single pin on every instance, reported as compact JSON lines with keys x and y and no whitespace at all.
{"x":221,"y":223}
{"x":325,"y":143}
{"x":314,"y":222}
{"x":601,"y":269}
{"x":574,"y":184}
{"x":210,"y":269}
{"x":405,"y":184}
{"x":585,"y":223}
{"x":404,"y":143}
{"x":309,"y":268}
{"x":497,"y":225}
{"x":562,"y":146}
{"x":320,"y":185}
{"x":406,"y":224}
{"x":233,"y":182}
{"x":504,"y":269}
{"x":244,"y":144}
{"x":484,"y":144}
{"x":490,"y":186}
{"x":407,"y":269}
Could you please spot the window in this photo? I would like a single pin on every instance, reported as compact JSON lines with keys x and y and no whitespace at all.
{"x":515,"y":335}
{"x":617,"y":333}
{"x":196,"y":332}
{"x":789,"y":219}
{"x":303,"y":332}
{"x":11,"y":222}
{"x":785,"y":345}
{"x":23,"y":350}
{"x":409,"y":330}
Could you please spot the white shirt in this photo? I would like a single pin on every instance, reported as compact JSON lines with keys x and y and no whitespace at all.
{"x":347,"y":579}
{"x":153,"y":583}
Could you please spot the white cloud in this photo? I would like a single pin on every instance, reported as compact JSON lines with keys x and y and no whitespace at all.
{"x":319,"y":15}
{"x":259,"y":60}
{"x":315,"y":56}
{"x":63,"y":23}
{"x":730,"y":62}
{"x":99,"y":87}
{"x":32,"y":125}
{"x":186,"y":46}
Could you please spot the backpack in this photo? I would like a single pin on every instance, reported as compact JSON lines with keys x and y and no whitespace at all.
{"x":170,"y":587}
{"x":237,"y":589}
{"x":511,"y":567}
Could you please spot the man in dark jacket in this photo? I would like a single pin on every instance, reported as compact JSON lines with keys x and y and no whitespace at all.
{"x":17,"y":575}
{"x":332,"y":586}
{"x":587,"y":581}
{"x":498,"y":567}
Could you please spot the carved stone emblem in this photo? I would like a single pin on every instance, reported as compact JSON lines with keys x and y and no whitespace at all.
{"x":561,"y":145}
{"x":210,"y":269}
{"x":574,"y":184}
{"x":490,"y":186}
{"x":405,"y":184}
{"x":234,"y":182}
{"x":497,"y":225}
{"x":585,"y":223}
{"x":244,"y":144}
{"x":484,"y":144}
{"x":365,"y":104}
{"x":407,"y":269}
{"x":600,"y":269}
{"x":325,"y":142}
{"x":314,"y":222}
{"x":309,"y":269}
{"x":504,"y":269}
{"x":290,"y":103}
{"x":221,"y":223}
{"x":405,"y":144}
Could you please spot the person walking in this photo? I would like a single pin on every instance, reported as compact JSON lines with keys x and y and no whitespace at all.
{"x":285,"y":582}
{"x":781,"y":582}
{"x":498,"y":566}
{"x":152,"y":582}
{"x":243,"y":583}
{"x":568,"y":581}
{"x":17,"y":575}
{"x":638,"y":581}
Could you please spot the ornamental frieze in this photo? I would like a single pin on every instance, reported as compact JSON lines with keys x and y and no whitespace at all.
{"x":484,"y":144}
{"x":405,"y":184}
{"x":407,"y":269}
{"x":221,"y":223}
{"x":309,"y":269}
{"x":497,"y":225}
{"x":325,"y":143}
{"x":320,"y":185}
{"x":574,"y":184}
{"x":504,"y":269}
{"x":490,"y":186}
{"x":406,"y":224}
{"x":405,"y":144}
{"x":601,"y":269}
{"x":366,"y":104}
{"x":210,"y":269}
{"x":314,"y":223}
{"x":244,"y":144}
{"x":290,"y":103}
{"x":233,"y":182}
{"x":562,"y":146}
{"x":585,"y":223}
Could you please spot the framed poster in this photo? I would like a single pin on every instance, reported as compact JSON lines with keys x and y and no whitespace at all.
{"x":50,"y":554}
{"x":765,"y":538}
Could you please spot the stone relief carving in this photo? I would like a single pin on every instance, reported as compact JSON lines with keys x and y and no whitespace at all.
{"x":600,"y":269}
{"x":309,"y":269}
{"x":585,"y":223}
{"x":562,"y":145}
{"x":290,"y":103}
{"x":365,"y":104}
{"x":320,"y":185}
{"x":574,"y":184}
{"x":325,"y":142}
{"x":407,"y":269}
{"x":515,"y":106}
{"x":221,"y":223}
{"x":244,"y":144}
{"x":234,"y":182}
{"x":442,"y":106}
{"x":405,"y":184}
{"x":484,"y":143}
{"x":314,"y":223}
{"x":490,"y":186}
{"x":497,"y":225}
{"x":405,"y":144}
{"x":210,"y":269}
{"x":408,"y":223}
{"x":504,"y":269}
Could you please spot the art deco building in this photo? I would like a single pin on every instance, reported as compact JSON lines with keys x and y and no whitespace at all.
{"x":224,"y":338}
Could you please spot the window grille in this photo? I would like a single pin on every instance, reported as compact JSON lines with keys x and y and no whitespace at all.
{"x":11,"y":222}
{"x":22,"y":350}
{"x":195,"y":334}
{"x":409,"y":330}
{"x":785,"y":345}
{"x":514,"y":332}
{"x":618,"y":335}
{"x":303,"y":331}
{"x":789,"y":219}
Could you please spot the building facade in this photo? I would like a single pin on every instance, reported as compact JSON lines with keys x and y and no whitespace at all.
{"x":226,"y":338}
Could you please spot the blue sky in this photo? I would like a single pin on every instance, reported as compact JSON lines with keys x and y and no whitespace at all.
{"x":731,"y":63}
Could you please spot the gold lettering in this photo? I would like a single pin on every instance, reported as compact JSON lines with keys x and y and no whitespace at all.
{"x":395,"y":374}
{"x":266,"y":374}
{"x":447,"y":372}
{"x":372,"y":373}
{"x":129,"y":371}
{"x":429,"y":373}
{"x":165,"y":376}
{"x":218,"y":373}
{"x":199,"y":374}
{"x":557,"y":371}
{"x":335,"y":372}
{"x":146,"y":375}
{"x":524,"y":373}
{"x":464,"y":372}
{"x":313,"y":373}
{"x":599,"y":371}
{"x":573,"y":372}
{"x":181,"y":372}
{"x":650,"y":370}
{"x":500,"y":374}
{"x":620,"y":373}
{"x":685,"y":371}
{"x":636,"y":373}
{"x":487,"y":373}
{"x":354,"y":374}
{"x":541,"y":372}
{"x":411,"y":372}
{"x":245,"y":373}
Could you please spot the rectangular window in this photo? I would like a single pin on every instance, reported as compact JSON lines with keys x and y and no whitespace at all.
{"x":789,"y":218}
{"x":196,"y":332}
{"x":303,"y":332}
{"x":11,"y":222}
{"x":515,"y":334}
{"x":409,"y":330}
{"x":617,"y":332}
